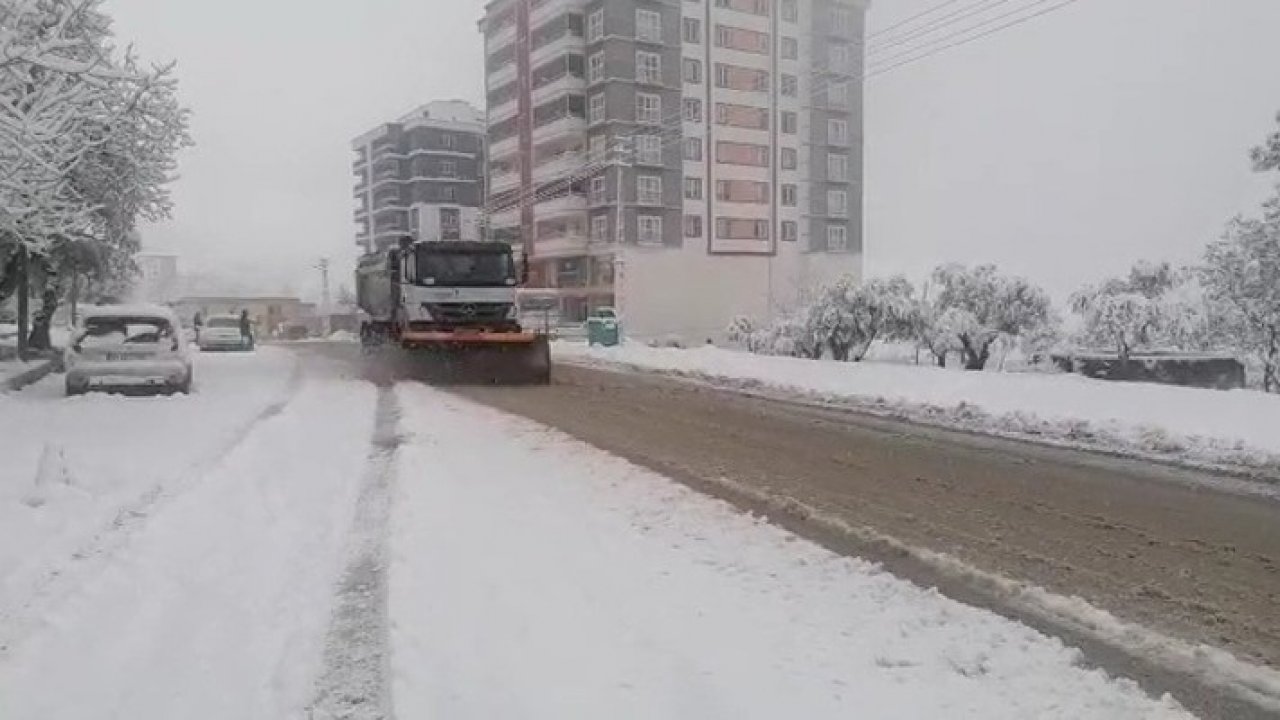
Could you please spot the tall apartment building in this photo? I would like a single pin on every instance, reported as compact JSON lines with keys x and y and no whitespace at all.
{"x":422,"y":175}
{"x":685,"y":160}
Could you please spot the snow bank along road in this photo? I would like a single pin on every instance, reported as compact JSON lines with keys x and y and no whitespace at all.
{"x":295,"y":542}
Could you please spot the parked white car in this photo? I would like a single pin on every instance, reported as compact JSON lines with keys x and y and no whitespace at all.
{"x":222,"y":332}
{"x":123,"y":347}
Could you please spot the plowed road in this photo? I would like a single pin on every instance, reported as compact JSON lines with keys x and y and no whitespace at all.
{"x":1151,"y":544}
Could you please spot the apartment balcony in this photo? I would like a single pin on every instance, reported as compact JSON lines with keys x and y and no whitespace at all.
{"x":504,"y":110}
{"x":561,"y":85}
{"x":502,"y":182}
{"x":500,"y":39}
{"x":569,"y":244}
{"x":552,"y":8}
{"x":567,"y":42}
{"x":386,"y":180}
{"x":505,"y":147}
{"x":361,"y":213}
{"x":567,"y":126}
{"x":503,"y":75}
{"x":561,"y":165}
{"x":571,"y":204}
{"x":505,"y":218}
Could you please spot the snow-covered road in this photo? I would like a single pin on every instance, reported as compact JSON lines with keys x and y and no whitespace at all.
{"x":536,"y":577}
{"x":206,"y":554}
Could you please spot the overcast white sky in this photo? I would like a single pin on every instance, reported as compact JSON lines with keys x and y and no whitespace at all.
{"x":1061,"y":149}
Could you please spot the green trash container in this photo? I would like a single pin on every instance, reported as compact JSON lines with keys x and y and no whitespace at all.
{"x":603,"y":328}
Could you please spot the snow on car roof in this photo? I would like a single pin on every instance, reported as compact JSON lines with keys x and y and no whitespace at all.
{"x":136,"y":311}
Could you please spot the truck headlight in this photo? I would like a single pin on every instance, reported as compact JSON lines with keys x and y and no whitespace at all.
{"x":513,"y":313}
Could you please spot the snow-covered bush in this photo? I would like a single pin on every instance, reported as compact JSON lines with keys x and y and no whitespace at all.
{"x":976,"y":306}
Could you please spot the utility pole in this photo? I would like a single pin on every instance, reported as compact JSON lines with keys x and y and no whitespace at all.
{"x":623,"y":150}
{"x":323,"y":267}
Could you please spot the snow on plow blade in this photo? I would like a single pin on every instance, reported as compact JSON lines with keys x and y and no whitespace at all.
{"x":470,"y":358}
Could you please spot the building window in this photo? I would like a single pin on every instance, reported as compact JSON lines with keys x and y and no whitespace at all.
{"x":693,"y":149}
{"x":649,"y":68}
{"x":649,"y":149}
{"x":789,"y":195}
{"x":755,"y":7}
{"x":595,"y":26}
{"x":743,"y":116}
{"x":837,"y":238}
{"x":691,"y":29}
{"x":789,"y":122}
{"x":837,"y":167}
{"x":600,"y":228}
{"x":735,"y":77}
{"x":692,"y":110}
{"x":648,"y":26}
{"x":841,"y":20}
{"x":742,"y":191}
{"x":838,"y":94}
{"x":693,"y":226}
{"x":790,"y":231}
{"x":790,"y":48}
{"x":837,"y":203}
{"x":650,"y":227}
{"x":648,"y":109}
{"x":595,"y":109}
{"x":790,"y":12}
{"x":838,"y":56}
{"x":595,"y":68}
{"x":596,"y":148}
{"x":693,"y":188}
{"x":447,"y":141}
{"x":597,"y":190}
{"x":448,"y":193}
{"x":789,"y":85}
{"x":789,"y":159}
{"x":741,"y":39}
{"x":731,"y":153}
{"x":742,"y":229}
{"x":692,"y":70}
{"x":837,"y":132}
{"x":648,"y":190}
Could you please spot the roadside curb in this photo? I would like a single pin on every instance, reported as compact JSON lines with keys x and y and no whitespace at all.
{"x":35,"y":374}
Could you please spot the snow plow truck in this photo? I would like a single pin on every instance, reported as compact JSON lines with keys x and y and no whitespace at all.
{"x":448,"y":310}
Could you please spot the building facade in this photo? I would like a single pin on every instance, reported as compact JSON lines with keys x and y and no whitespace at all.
{"x":422,"y":175}
{"x":686,"y":161}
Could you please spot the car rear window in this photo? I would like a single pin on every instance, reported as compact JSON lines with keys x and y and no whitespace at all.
{"x":224,"y":322}
{"x":125,"y":330}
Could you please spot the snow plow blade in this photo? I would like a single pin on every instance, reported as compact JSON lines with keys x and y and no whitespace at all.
{"x":478,"y":358}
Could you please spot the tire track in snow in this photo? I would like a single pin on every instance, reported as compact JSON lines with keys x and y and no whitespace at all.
{"x":355,"y":682}
{"x":90,"y":558}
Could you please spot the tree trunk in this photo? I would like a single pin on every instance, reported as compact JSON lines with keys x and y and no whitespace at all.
{"x":24,"y":291}
{"x":976,"y":359}
{"x":41,"y":338}
{"x":941,"y":359}
{"x":839,"y":350}
{"x":74,"y":299}
{"x":1271,"y":367}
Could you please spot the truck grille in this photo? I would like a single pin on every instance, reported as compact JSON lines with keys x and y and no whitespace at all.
{"x":469,"y":313}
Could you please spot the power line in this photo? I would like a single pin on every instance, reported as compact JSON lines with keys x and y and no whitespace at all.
{"x":917,"y":16}
{"x":970,"y":39}
{"x":939,"y":24}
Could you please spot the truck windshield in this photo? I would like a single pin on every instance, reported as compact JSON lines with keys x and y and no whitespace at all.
{"x":462,"y":268}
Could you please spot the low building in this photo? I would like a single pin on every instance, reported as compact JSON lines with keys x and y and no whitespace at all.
{"x":267,"y":313}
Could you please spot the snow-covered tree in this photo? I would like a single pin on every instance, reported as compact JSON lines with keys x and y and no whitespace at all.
{"x":1242,"y":270}
{"x":1154,"y":306}
{"x":978,"y":306}
{"x":87,"y":144}
{"x":849,"y":316}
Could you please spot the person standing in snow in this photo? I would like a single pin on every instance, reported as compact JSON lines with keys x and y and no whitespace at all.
{"x":246,"y":329}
